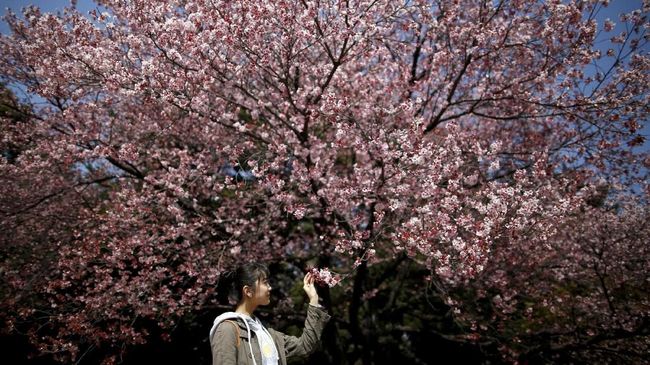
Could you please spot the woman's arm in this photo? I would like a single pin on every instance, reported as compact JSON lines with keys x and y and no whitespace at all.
{"x":314,"y":323}
{"x":224,"y":344}
{"x":297,"y":347}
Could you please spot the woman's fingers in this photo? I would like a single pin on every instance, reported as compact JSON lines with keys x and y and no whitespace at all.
{"x":308,"y":279}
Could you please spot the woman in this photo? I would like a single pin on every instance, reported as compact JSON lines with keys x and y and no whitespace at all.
{"x":239,"y":338}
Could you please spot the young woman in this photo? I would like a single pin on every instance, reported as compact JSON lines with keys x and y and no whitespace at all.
{"x":240,"y":338}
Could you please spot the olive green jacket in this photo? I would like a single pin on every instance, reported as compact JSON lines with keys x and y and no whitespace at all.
{"x":230,"y":342}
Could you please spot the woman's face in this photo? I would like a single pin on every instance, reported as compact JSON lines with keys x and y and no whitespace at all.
{"x":262,"y":294}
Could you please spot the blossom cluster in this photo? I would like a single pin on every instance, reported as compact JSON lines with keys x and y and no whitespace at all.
{"x":325,"y":277}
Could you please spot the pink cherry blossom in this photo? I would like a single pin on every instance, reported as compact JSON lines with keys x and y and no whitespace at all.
{"x":325,"y":276}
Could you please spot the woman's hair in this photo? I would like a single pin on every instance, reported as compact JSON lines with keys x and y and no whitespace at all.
{"x":248,"y":274}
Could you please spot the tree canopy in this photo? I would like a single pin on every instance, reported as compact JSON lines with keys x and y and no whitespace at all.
{"x":492,"y":145}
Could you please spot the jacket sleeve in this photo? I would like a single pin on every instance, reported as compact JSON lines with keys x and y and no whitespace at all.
{"x":308,"y":342}
{"x":224,"y":345}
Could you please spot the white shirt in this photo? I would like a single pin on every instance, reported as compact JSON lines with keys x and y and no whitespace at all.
{"x":264,"y":339}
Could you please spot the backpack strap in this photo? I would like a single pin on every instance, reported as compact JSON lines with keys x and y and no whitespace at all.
{"x":236,"y":329}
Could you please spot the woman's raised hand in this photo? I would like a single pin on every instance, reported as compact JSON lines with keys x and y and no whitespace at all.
{"x":310,"y":288}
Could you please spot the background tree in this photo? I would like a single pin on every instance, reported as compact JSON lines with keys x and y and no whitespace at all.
{"x":466,"y":138}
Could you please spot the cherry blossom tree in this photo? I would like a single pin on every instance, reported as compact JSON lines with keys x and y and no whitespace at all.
{"x":576,"y":296}
{"x":177,"y":139}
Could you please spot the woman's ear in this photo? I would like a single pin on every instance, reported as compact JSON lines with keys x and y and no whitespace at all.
{"x":247,"y":291}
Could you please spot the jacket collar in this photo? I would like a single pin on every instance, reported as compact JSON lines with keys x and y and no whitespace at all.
{"x":226,"y":316}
